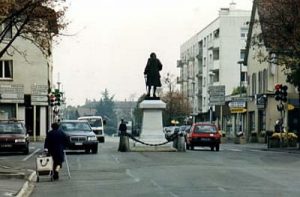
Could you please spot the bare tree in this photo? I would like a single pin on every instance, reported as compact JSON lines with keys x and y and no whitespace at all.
{"x":37,"y":21}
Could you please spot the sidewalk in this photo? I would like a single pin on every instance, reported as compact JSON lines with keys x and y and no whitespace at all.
{"x":15,"y":182}
{"x":263,"y":147}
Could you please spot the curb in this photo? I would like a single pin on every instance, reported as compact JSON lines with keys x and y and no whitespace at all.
{"x":28,"y":186}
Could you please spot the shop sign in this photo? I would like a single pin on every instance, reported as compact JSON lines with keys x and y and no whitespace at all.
{"x":237,"y":110}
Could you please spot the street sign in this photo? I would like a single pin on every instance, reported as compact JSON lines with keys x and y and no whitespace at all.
{"x":237,"y":110}
{"x":237,"y":104}
{"x":244,"y":99}
{"x":216,"y":95}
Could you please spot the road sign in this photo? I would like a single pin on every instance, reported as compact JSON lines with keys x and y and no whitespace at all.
{"x":244,"y":99}
{"x":216,"y":95}
{"x":237,"y":110}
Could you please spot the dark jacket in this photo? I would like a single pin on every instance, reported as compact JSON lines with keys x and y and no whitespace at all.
{"x":123,"y":128}
{"x":152,"y":71}
{"x":55,"y":143}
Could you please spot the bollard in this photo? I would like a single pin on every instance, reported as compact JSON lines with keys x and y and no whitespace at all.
{"x":124,"y":143}
{"x":181,"y":143}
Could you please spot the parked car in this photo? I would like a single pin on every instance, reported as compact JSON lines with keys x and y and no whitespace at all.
{"x":13,"y":136}
{"x":203,"y":134}
{"x":169,"y":131}
{"x":80,"y":135}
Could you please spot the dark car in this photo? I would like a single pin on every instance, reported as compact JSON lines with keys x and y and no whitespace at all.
{"x":80,"y":135}
{"x":13,"y":136}
{"x":203,"y":134}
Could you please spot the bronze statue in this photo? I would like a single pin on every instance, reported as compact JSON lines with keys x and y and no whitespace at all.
{"x":152,"y":75}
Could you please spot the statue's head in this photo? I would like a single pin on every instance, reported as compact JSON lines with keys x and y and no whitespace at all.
{"x":153,"y":55}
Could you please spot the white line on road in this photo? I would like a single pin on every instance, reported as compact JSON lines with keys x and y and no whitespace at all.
{"x":162,"y":189}
{"x":233,"y":149}
{"x":26,"y":158}
{"x":222,"y":189}
{"x":136,"y":179}
{"x":116,"y":159}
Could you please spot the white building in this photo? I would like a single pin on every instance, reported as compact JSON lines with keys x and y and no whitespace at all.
{"x":211,"y":57}
{"x":24,"y":83}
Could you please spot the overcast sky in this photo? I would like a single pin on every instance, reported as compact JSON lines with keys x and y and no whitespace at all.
{"x":113,"y":39}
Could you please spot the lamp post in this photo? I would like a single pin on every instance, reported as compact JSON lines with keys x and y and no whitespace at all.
{"x":239,"y":114}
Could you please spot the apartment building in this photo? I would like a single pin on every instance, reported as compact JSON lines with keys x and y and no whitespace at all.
{"x":211,"y":58}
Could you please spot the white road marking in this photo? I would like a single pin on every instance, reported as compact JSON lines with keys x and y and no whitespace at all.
{"x":26,"y":158}
{"x":116,"y":159}
{"x":233,"y":149}
{"x":136,"y":179}
{"x":162,"y":189}
{"x":222,"y":189}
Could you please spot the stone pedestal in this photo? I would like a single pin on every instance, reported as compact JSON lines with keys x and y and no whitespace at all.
{"x":152,"y":124}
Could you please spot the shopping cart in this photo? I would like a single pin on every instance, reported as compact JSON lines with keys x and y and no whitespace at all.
{"x":44,"y":166}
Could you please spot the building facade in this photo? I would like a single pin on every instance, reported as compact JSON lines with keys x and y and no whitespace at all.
{"x":262,"y":110}
{"x":211,"y":58}
{"x":25,"y":80}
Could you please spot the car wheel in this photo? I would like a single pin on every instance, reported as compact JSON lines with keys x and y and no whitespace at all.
{"x":212,"y":148}
{"x":192,"y":147}
{"x":187,"y":146}
{"x":95,"y":149}
{"x":217,"y":147}
{"x":87,"y":151}
{"x":26,"y":150}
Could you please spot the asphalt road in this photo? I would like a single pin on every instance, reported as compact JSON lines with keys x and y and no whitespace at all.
{"x":234,"y":171}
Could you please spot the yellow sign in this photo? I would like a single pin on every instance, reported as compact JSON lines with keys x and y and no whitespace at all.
{"x":237,"y":110}
{"x":291,"y":107}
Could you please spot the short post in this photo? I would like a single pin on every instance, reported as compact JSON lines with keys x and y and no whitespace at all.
{"x":124,"y":143}
{"x":181,"y":143}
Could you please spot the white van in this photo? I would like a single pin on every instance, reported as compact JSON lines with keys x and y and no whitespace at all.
{"x":97,"y":125}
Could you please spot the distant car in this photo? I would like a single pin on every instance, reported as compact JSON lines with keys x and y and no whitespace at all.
{"x":97,"y":125}
{"x":169,"y":131}
{"x":203,"y":134}
{"x":13,"y":136}
{"x":80,"y":135}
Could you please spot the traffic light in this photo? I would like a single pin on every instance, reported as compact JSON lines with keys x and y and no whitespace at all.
{"x":284,"y":93}
{"x":52,"y":100}
{"x":58,"y":98}
{"x":278,"y":88}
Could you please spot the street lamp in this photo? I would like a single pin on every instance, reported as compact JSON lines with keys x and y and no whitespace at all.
{"x":241,"y":63}
{"x":239,"y":114}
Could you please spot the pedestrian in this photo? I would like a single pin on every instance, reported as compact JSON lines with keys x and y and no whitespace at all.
{"x":152,"y":74}
{"x":122,"y":127}
{"x":55,"y":143}
{"x":124,"y":140}
{"x":277,"y":126}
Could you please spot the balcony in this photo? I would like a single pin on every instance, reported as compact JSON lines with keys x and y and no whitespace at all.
{"x":179,"y":80}
{"x":199,"y":93}
{"x":199,"y":74}
{"x":179,"y":63}
{"x":216,"y":65}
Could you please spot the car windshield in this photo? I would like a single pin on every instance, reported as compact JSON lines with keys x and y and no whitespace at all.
{"x":11,"y":128}
{"x":75,"y":126}
{"x":205,"y":129}
{"x":95,"y":122}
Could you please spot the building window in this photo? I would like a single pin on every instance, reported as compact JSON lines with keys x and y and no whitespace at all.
{"x":244,"y":32}
{"x":6,"y":69}
{"x":253,"y":84}
{"x":6,"y":26}
{"x":216,"y":54}
{"x":242,"y":54}
{"x":244,"y":76}
{"x":265,"y":80}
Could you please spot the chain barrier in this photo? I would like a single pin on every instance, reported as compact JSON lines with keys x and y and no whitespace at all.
{"x":170,"y":139}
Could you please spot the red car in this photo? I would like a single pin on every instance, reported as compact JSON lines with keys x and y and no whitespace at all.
{"x":203,"y":134}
